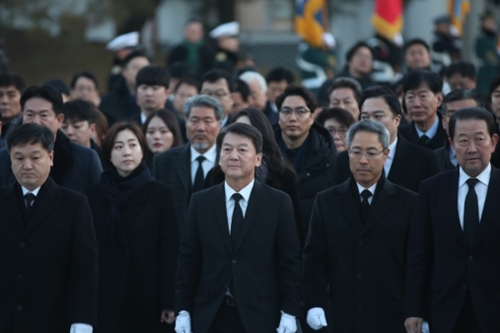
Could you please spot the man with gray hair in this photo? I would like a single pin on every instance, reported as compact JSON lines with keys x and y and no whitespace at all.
{"x":185,"y":168}
{"x":356,"y":246}
{"x":258,"y":94}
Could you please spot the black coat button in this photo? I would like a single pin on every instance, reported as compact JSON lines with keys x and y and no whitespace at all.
{"x":19,"y":308}
{"x":20,"y":276}
{"x":360,"y":276}
{"x":234,"y":261}
{"x":22,"y":245}
{"x":360,"y":310}
{"x":361,"y":242}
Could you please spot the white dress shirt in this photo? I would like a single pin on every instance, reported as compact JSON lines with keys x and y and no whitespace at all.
{"x":431,"y":131}
{"x":35,"y":191}
{"x":481,"y":190}
{"x":143,"y":118}
{"x":390,"y":157}
{"x":245,"y":193}
{"x":371,"y":189}
{"x":209,"y":162}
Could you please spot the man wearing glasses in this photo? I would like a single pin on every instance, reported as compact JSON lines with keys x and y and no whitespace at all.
{"x":355,"y":250}
{"x":219,"y":84}
{"x":307,"y":145}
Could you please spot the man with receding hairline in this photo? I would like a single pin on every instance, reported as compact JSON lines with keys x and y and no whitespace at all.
{"x":453,"y":266}
{"x":48,"y":247}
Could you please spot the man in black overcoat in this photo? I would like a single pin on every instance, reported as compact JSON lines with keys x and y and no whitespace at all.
{"x":48,"y":248}
{"x":453,"y":266}
{"x":355,"y":253}
{"x":239,"y":263}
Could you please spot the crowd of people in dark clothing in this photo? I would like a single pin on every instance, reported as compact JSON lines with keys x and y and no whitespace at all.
{"x":205,"y":197}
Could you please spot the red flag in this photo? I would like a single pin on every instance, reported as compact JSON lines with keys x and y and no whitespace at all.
{"x":388,"y":19}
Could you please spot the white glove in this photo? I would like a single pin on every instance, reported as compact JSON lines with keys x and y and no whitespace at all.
{"x":288,"y":324}
{"x":80,"y":328}
{"x":183,"y":322}
{"x":316,"y":318}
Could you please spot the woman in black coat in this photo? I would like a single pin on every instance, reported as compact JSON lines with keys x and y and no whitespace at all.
{"x":274,"y":170}
{"x":136,"y":230}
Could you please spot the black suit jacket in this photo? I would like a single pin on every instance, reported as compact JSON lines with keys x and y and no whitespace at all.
{"x":441,"y":266}
{"x":410,"y":133}
{"x":360,"y":267}
{"x":443,"y":158}
{"x":173,"y":168}
{"x":75,"y":167}
{"x":48,"y":269}
{"x":138,"y":267}
{"x":412,"y":164}
{"x":264,"y":266}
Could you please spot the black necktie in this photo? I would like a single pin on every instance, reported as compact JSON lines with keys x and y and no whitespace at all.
{"x":199,"y":176}
{"x":424,"y":139}
{"x":471,"y":211}
{"x":29,"y":198}
{"x":237,"y":219}
{"x":365,"y":205}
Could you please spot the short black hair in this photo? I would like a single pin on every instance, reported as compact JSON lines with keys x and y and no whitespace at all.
{"x":416,"y":78}
{"x":181,"y":69}
{"x":355,"y":48}
{"x":153,"y":75}
{"x":294,"y":90}
{"x":217,"y":74}
{"x":46,"y":92}
{"x":346,"y":82}
{"x":461,"y":95}
{"x":463,"y":68}
{"x":58,"y":85}
{"x":132,"y":55}
{"x":242,"y":88}
{"x":343,"y":116}
{"x":186,"y":80}
{"x":244,"y":130}
{"x":79,"y":110}
{"x":476,"y":113}
{"x":31,"y":133}
{"x":7,"y":80}
{"x":280,"y":73}
{"x":417,"y":41}
{"x":390,"y":98}
{"x":494,"y":84}
{"x":86,"y":75}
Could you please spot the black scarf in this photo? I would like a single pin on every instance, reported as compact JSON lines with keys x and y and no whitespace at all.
{"x":118,"y":190}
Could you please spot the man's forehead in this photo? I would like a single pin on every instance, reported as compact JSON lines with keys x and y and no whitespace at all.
{"x":423,"y":87}
{"x":220,"y":83}
{"x":465,"y":103}
{"x":9,"y":88}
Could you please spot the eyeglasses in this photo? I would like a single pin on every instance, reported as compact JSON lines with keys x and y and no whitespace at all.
{"x":370,"y":155}
{"x":300,"y":112}
{"x":217,"y":94}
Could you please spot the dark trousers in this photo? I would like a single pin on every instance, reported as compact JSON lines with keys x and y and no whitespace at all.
{"x":227,"y":320}
{"x":467,"y":320}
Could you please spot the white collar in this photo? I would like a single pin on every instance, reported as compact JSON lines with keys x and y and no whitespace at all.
{"x":35,"y":191}
{"x":143,"y":118}
{"x":210,"y":155}
{"x":245,"y":191}
{"x":483,"y":177}
{"x":431,"y":132}
{"x":371,"y":189}
{"x":392,"y":149}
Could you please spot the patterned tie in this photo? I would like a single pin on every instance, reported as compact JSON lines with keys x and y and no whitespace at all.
{"x":365,"y":205}
{"x":471,"y":211}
